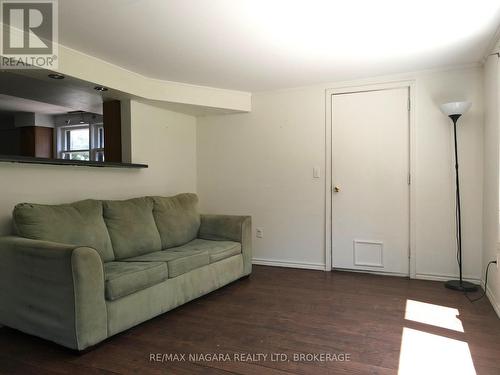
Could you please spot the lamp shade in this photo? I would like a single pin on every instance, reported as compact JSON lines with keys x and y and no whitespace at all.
{"x":455,"y":108}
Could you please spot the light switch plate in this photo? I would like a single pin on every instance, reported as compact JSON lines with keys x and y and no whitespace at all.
{"x":259,"y":232}
{"x":316,"y":172}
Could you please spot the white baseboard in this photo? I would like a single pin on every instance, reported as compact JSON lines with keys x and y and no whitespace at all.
{"x":373,"y":272}
{"x":493,"y":301}
{"x":289,"y":264}
{"x":425,"y":276}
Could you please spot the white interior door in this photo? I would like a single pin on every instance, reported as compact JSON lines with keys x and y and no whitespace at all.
{"x":370,"y":175}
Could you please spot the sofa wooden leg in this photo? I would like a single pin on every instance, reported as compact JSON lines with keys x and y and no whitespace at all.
{"x":87,"y":350}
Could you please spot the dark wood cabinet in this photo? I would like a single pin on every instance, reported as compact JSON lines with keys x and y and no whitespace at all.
{"x":112,"y":131}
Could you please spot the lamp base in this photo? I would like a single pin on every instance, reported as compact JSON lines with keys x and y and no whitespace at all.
{"x":463,"y":286}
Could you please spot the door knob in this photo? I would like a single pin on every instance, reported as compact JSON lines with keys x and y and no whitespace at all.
{"x":336,"y":188}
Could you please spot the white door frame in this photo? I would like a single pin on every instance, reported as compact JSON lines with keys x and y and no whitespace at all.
{"x":411,"y":85}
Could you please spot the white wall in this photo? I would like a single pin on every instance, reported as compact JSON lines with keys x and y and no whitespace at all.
{"x":261,"y":163}
{"x":491,"y":175}
{"x":165,"y":140}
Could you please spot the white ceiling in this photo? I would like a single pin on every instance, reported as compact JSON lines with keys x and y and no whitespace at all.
{"x":15,"y":104}
{"x":255,"y":45}
{"x":32,"y":91}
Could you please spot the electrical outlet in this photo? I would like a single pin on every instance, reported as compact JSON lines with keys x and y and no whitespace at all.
{"x":259,"y":232}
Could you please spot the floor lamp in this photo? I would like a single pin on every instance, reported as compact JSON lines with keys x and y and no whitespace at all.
{"x":454,"y":110}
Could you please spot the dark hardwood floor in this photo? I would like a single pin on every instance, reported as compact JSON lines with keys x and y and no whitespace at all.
{"x":290,"y":311}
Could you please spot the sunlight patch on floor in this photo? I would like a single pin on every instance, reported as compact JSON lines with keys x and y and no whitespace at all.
{"x":436,"y":315}
{"x":425,"y":353}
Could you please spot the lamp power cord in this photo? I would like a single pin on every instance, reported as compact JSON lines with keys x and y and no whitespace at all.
{"x":485,"y":284}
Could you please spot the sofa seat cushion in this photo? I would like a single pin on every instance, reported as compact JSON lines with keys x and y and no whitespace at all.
{"x":131,"y":227}
{"x":178,"y":262}
{"x":124,"y":278}
{"x":177,"y":219}
{"x":80,"y":223}
{"x":217,"y":250}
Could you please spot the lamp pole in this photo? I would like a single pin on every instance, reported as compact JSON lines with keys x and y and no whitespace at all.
{"x":455,"y":118}
{"x":458,"y":284}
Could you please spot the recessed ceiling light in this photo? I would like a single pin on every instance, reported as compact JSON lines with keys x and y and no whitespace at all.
{"x":56,"y":76}
{"x":100,"y":88}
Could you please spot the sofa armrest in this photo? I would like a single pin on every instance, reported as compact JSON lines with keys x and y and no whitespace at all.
{"x":232,"y":228}
{"x":54,"y":291}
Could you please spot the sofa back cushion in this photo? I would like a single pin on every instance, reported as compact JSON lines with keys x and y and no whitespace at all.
{"x":131,"y":227}
{"x":80,"y":223}
{"x":177,"y":219}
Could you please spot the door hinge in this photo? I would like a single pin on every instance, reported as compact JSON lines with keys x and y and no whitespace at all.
{"x":409,"y":104}
{"x":409,"y":179}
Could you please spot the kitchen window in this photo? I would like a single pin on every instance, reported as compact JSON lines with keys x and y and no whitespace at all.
{"x":81,"y":142}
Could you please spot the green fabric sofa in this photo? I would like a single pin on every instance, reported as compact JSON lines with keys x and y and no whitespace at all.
{"x":76,"y":274}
